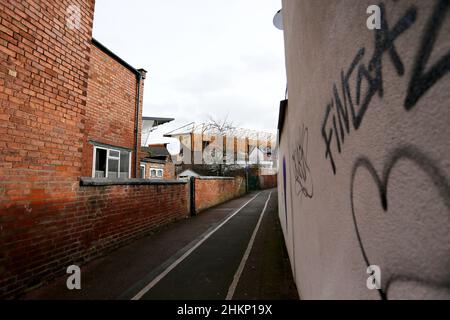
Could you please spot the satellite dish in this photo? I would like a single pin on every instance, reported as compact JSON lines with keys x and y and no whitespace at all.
{"x":278,"y":20}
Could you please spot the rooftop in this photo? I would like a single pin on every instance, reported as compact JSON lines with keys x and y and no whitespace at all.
{"x":211,"y":129}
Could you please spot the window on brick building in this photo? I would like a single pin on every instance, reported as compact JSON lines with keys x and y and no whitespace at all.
{"x":156,"y":173}
{"x":111,"y":163}
{"x":142,"y":173}
{"x":100,"y":163}
{"x":124,"y":164}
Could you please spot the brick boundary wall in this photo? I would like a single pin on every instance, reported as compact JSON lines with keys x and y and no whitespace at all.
{"x":56,"y":234}
{"x":267,"y":181}
{"x":211,"y":191}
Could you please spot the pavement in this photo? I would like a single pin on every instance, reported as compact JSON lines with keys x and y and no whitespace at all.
{"x":233,"y":251}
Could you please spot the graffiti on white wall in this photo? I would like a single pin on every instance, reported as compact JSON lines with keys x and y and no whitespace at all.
{"x":396,"y":196}
{"x":302,"y":172}
{"x":342,"y":109}
{"x":381,"y":180}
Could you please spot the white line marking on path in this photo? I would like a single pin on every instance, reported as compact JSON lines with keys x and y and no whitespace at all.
{"x":237,"y":276}
{"x":186,"y":254}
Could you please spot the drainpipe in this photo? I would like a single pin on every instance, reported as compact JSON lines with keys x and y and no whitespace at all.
{"x":140,"y":75}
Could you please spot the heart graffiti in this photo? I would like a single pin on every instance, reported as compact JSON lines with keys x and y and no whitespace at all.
{"x":409,"y":153}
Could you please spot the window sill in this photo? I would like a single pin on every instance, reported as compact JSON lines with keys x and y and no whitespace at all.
{"x":94,"y":182}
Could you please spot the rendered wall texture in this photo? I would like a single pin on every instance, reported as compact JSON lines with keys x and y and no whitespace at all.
{"x":364,"y":159}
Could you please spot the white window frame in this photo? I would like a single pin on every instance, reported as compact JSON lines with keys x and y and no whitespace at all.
{"x":157,"y":170}
{"x":142,"y":166}
{"x":112,"y":157}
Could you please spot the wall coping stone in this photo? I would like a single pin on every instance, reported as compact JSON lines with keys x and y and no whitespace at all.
{"x":214,"y":178}
{"x":94,"y":182}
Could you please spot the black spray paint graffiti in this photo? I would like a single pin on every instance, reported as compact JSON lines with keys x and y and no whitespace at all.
{"x":423,"y":80}
{"x":336,"y":123}
{"x":302,"y":172}
{"x":426,"y":164}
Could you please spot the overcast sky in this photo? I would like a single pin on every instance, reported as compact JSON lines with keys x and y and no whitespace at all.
{"x":203,"y":57}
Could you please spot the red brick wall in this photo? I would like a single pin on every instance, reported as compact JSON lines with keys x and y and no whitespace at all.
{"x":47,"y":221}
{"x":43,"y":71}
{"x":169,"y":171}
{"x":111,"y":107}
{"x":268,"y":181}
{"x":149,"y":166}
{"x":43,"y":83}
{"x":168,"y":167}
{"x":40,"y":240}
{"x":210,"y":192}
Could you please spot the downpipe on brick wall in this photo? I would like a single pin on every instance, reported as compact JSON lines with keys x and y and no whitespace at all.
{"x":140,"y":75}
{"x":136,"y":122}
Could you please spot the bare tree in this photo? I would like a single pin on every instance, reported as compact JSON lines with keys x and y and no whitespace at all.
{"x":218,"y":129}
{"x":224,"y":126}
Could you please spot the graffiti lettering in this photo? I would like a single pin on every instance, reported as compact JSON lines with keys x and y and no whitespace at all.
{"x":303,"y":179}
{"x":422,"y":81}
{"x":336,"y":122}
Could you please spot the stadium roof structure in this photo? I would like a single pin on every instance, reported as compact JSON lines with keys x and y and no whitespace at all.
{"x":213,"y":129}
{"x":149,"y":124}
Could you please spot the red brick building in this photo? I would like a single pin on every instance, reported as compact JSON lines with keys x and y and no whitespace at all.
{"x":156,"y":162}
{"x":113,"y":116}
{"x":68,"y":110}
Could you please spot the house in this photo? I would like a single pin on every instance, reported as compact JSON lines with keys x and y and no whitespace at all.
{"x":156,"y":162}
{"x":113,"y":116}
{"x":70,"y":138}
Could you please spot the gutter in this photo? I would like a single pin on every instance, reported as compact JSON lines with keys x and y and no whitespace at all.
{"x":96,"y":43}
{"x":282,"y":115}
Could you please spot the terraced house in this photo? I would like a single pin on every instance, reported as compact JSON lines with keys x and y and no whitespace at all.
{"x":70,"y":130}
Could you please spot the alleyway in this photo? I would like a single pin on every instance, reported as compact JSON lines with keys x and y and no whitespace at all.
{"x":232,"y":251}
